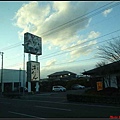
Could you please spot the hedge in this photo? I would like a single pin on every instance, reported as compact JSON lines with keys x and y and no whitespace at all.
{"x":93,"y":99}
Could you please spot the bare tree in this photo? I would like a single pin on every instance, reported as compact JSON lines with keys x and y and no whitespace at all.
{"x":99,"y":64}
{"x":110,"y":51}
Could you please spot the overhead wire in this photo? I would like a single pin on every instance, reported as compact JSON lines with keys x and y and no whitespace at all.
{"x":44,"y":33}
{"x":81,"y":20}
{"x":63,"y":25}
{"x":78,"y":45}
{"x":17,"y":44}
{"x":85,"y":59}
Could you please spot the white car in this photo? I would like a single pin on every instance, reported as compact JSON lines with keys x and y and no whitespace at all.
{"x":58,"y":89}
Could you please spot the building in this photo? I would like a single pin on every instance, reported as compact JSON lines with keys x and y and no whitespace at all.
{"x":12,"y":78}
{"x":62,"y":75}
{"x":109,"y":74}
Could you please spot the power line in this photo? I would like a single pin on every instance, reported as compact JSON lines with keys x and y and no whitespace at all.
{"x":85,"y":45}
{"x":81,"y":20}
{"x":75,"y":19}
{"x":77,"y":60}
{"x":17,"y":44}
{"x":84,"y":59}
{"x":69,"y":62}
{"x":77,"y":45}
{"x":11,"y":46}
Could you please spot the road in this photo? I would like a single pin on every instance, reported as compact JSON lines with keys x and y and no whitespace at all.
{"x":52,"y":105}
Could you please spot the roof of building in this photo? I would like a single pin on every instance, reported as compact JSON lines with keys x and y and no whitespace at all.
{"x":61,"y":73}
{"x":108,"y":68}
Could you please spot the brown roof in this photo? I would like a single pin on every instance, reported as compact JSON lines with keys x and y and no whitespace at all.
{"x":109,"y":68}
{"x":61,"y":73}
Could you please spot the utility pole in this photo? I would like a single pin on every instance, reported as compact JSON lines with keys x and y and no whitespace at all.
{"x":2,"y":74}
{"x":19,"y":79}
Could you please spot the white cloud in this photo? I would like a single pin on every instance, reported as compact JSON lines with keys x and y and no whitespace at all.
{"x":50,"y":62}
{"x":106,"y":12}
{"x":76,"y":68}
{"x":42,"y":17}
{"x":84,"y":46}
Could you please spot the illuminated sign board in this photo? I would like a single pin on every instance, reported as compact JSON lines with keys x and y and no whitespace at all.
{"x":32,"y":44}
{"x":99,"y":86}
{"x":33,"y":71}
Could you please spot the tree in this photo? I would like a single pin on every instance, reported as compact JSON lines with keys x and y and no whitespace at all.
{"x":99,"y":64}
{"x":110,"y":51}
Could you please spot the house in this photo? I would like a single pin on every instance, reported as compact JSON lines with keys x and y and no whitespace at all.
{"x":108,"y":74}
{"x":62,"y":75}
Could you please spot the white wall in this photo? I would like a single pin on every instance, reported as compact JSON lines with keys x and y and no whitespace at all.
{"x":113,"y":81}
{"x":10,"y":75}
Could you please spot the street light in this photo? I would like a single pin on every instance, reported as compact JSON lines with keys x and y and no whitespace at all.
{"x":2,"y":73}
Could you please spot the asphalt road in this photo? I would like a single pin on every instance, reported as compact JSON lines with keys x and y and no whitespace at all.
{"x":53,"y":105}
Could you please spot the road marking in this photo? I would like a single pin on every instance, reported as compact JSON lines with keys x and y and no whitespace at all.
{"x":83,"y":104}
{"x":25,"y":115}
{"x":54,"y":108}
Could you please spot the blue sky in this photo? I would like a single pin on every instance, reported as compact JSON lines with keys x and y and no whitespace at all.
{"x":66,"y":45}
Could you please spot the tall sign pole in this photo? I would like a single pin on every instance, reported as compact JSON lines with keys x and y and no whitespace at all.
{"x":37,"y":83}
{"x":33,"y":45}
{"x":29,"y":82}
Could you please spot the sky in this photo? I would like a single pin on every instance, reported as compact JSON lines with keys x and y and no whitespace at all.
{"x":71,"y":33}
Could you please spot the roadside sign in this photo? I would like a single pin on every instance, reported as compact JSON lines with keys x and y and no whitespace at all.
{"x":99,"y":86}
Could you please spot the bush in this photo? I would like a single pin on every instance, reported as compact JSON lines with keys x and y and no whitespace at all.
{"x":108,"y":95}
{"x":106,"y":91}
{"x":93,"y":99}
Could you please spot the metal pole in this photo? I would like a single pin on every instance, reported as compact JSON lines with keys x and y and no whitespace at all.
{"x":19,"y":79}
{"x":23,"y":73}
{"x":37,"y":82}
{"x":29,"y":82}
{"x":36,"y":58}
{"x":2,"y":87}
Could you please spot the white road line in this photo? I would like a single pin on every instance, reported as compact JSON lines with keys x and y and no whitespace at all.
{"x":25,"y":115}
{"x":54,"y":108}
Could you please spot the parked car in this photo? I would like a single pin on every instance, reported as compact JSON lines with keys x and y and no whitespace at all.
{"x":77,"y":86}
{"x":58,"y":89}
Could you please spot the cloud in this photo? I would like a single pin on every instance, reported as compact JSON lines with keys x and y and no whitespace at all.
{"x":76,"y":68}
{"x":40,"y":18}
{"x":84,"y":46}
{"x":56,"y":22}
{"x":106,"y":12}
{"x":50,"y":62}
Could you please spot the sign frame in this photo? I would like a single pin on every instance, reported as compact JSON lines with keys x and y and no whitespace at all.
{"x":33,"y":71}
{"x":32,"y":44}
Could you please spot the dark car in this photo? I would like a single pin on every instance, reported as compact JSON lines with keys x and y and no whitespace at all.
{"x":77,"y":86}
